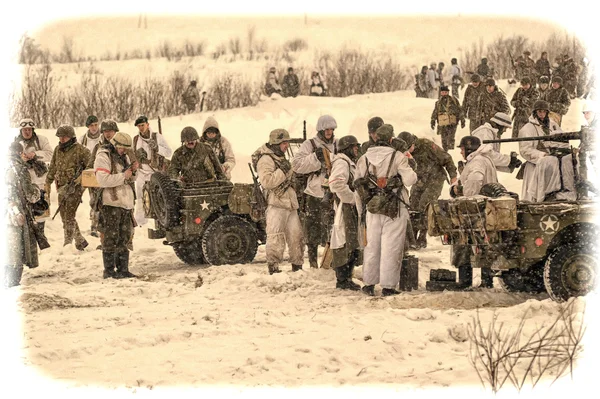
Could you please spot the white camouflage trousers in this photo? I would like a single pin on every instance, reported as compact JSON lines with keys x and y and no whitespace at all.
{"x":283,"y":226}
{"x":385,"y":249}
{"x":546,"y":179}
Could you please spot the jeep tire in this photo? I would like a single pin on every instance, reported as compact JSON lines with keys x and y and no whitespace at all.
{"x":229,"y":239}
{"x":165,"y":200}
{"x":570,"y":270}
{"x":190,"y":252}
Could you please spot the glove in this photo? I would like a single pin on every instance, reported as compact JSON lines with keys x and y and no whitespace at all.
{"x":285,"y":166}
{"x":412,"y":163}
{"x":514,"y":161}
{"x":432,"y":125}
{"x":461,"y":166}
{"x":153,"y":145}
{"x":320,"y":155}
{"x":462,"y":124}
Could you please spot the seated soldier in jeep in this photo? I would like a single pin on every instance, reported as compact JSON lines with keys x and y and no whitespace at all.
{"x":194,"y":162}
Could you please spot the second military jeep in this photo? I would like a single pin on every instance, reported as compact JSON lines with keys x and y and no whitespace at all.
{"x":531,"y":246}
{"x":213,"y":222}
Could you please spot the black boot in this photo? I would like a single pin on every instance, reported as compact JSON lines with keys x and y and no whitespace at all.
{"x":344,"y":281}
{"x":108,"y":258}
{"x":369,"y":290}
{"x":312,"y":256}
{"x":389,"y":292}
{"x":296,"y":268}
{"x":273,"y":268}
{"x":487,"y":278}
{"x":422,"y":239}
{"x":122,"y":262}
{"x":465,"y":276}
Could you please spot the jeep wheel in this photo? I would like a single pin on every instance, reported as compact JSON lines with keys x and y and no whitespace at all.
{"x":165,"y":199}
{"x":190,"y":252}
{"x":570,"y":270}
{"x":531,"y":281}
{"x":229,"y":240}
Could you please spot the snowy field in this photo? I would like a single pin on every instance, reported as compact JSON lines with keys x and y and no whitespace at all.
{"x":67,"y":331}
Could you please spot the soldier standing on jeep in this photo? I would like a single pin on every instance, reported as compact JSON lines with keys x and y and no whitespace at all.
{"x":194,"y":162}
{"x":479,"y":170}
{"x":156,"y":150}
{"x":283,"y":224}
{"x":312,"y":159}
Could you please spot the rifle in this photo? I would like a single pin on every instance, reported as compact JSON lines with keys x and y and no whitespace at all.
{"x":69,"y":189}
{"x":159,"y":126}
{"x":258,"y":203}
{"x":40,"y":238}
{"x":202,"y":101}
{"x":512,"y":61}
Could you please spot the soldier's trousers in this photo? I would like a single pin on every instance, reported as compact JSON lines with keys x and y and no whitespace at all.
{"x":517,"y":125}
{"x":314,"y":229}
{"x":283,"y":227}
{"x":116,"y":225}
{"x":448,"y":134}
{"x":94,"y":215}
{"x":473,"y":124}
{"x":455,"y":90}
{"x":421,"y":194}
{"x":68,"y":211}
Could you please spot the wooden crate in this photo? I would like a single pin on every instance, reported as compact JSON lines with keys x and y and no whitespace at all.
{"x":88,"y":178}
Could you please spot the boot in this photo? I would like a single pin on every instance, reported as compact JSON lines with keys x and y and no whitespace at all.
{"x":369,"y":290}
{"x":487,"y":278}
{"x":465,"y":276}
{"x":389,"y":292}
{"x":122,"y":263}
{"x":81,"y":245}
{"x":312,"y":256}
{"x":273,"y":268}
{"x":108,"y":258}
{"x":296,"y":268}
{"x":80,"y":242}
{"x":422,"y":239}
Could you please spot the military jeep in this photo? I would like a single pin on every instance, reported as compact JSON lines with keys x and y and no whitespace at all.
{"x":530,"y":246}
{"x":213,"y":222}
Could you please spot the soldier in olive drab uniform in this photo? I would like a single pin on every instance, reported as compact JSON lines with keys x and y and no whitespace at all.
{"x":191,"y":97}
{"x":68,"y":161}
{"x":491,"y":101}
{"x":484,"y":69}
{"x":543,"y":88}
{"x":542,"y":66}
{"x":116,"y":175}
{"x":311,"y":159}
{"x":372,"y":125}
{"x":19,"y":192}
{"x":277,"y":180}
{"x":447,"y":113}
{"x":470,"y":100}
{"x":194,"y":162}
{"x":522,"y":101}
{"x":434,"y":167}
{"x":559,"y":100}
{"x":344,"y":234}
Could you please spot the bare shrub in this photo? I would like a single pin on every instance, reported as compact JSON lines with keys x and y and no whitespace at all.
{"x":499,"y":354}
{"x":194,"y":49}
{"x":232,"y":91}
{"x":67,"y":51}
{"x":235,"y":45}
{"x":219,"y":51}
{"x":30,"y":52}
{"x":296,"y":44}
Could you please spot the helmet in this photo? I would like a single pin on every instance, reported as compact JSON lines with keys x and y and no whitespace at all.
{"x":544,"y":79}
{"x":193,"y":83}
{"x":527,"y":52}
{"x":65,"y":131}
{"x":121,"y":140}
{"x":453,"y":61}
{"x":326,"y":122}
{"x":27,"y":122}
{"x":501,"y":119}
{"x":278,"y":136}
{"x":109,"y":124}
{"x":385,"y":132}
{"x":91,"y":119}
{"x":484,"y":60}
{"x":525,"y":81}
{"x":470,"y":143}
{"x":374,"y":123}
{"x":408,"y":138}
{"x":475,"y":78}
{"x":272,"y":69}
{"x":557,"y":79}
{"x":346,"y":142}
{"x":541,"y":104}
{"x":490,"y":82}
{"x":189,"y":134}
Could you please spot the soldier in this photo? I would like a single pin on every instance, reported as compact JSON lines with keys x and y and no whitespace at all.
{"x":483,"y":69}
{"x":36,"y":156}
{"x":479,"y":170}
{"x":386,"y":211}
{"x":435,"y":165}
{"x":456,"y":77}
{"x":471,"y":100}
{"x":544,"y":88}
{"x":194,"y":162}
{"x":283,"y":224}
{"x":191,"y":96}
{"x":524,"y":66}
{"x":522,"y":101}
{"x":492,"y":130}
{"x":313,"y":157}
{"x":19,"y":192}
{"x":211,"y":136}
{"x":491,"y":101}
{"x":433,"y":81}
{"x":90,"y":140}
{"x":421,"y":87}
{"x":115,"y":173}
{"x":317,"y":86}
{"x":583,"y":78}
{"x":291,"y":84}
{"x":559,"y":100}
{"x":447,"y":113}
{"x":272,"y":84}
{"x":535,"y":151}
{"x":372,"y":125}
{"x":542,"y":66}
{"x":571,"y":73}
{"x":588,"y":166}
{"x":440,"y":72}
{"x":154,"y":158}
{"x":344,"y":235}
{"x":68,"y":161}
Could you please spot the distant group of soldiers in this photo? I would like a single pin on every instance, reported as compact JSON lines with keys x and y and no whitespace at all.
{"x":290,"y":85}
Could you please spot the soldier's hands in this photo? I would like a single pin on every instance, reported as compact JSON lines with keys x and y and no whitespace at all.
{"x":453,"y":180}
{"x":135,"y":166}
{"x":461,"y":166}
{"x":462,"y":124}
{"x":320,"y":155}
{"x":128,"y":173}
{"x":153,"y":145}
{"x":432,"y":125}
{"x":514,"y":161}
{"x":285,"y":166}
